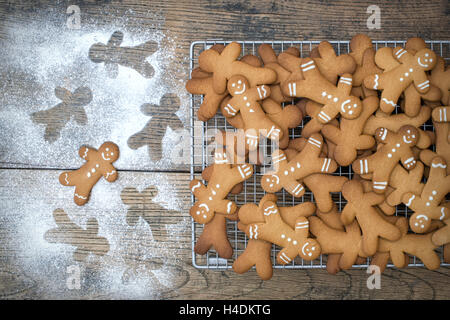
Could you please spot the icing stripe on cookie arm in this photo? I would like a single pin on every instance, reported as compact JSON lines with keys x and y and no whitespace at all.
{"x":85,"y":152}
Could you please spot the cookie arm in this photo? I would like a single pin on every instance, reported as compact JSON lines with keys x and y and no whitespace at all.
{"x":345,"y":84}
{"x":259,"y":92}
{"x":197,"y":188}
{"x":86,"y":153}
{"x":401,"y":54}
{"x":408,"y":160}
{"x":421,"y":82}
{"x":226,"y":207}
{"x":231,"y":109}
{"x":243,"y":172}
{"x":348,"y":214}
{"x":110,"y":173}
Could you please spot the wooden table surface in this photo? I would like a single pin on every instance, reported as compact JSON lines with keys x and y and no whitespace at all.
{"x":39,"y":53}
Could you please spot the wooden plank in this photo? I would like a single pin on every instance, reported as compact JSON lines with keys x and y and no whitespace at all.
{"x":138,"y":266}
{"x":44,"y":54}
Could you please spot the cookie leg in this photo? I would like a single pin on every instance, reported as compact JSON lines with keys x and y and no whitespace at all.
{"x":81,"y":195}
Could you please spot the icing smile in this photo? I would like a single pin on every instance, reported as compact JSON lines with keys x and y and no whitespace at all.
{"x":104,"y":158}
{"x":421,"y":64}
{"x":242,"y":91}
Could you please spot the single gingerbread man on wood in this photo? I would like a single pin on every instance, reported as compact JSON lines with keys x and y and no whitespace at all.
{"x":98,"y":164}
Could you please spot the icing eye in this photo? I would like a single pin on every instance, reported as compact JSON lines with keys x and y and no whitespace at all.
{"x":355,"y":105}
{"x":107,"y":149}
{"x":324,"y":94}
{"x":233,"y":85}
{"x":431,"y":60}
{"x":239,"y":81}
{"x":112,"y":153}
{"x":410,"y":70}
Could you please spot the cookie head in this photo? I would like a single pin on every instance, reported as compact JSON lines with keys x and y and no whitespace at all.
{"x":409,"y":134}
{"x":419,"y":222}
{"x":237,"y":85}
{"x":271,"y":183}
{"x":310,"y":250}
{"x":201,"y":212}
{"x":351,"y":108}
{"x":109,"y":151}
{"x":426,"y":59}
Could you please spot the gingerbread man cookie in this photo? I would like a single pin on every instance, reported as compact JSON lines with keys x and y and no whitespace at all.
{"x":336,"y":99}
{"x":394,"y":122}
{"x":270,"y":60}
{"x":288,"y":173}
{"x":440,"y":77}
{"x":411,"y":69}
{"x":395,"y":147}
{"x":360,"y":205}
{"x":442,"y":130}
{"x":441,"y":114}
{"x":294,"y":241}
{"x":427,"y":206}
{"x":344,"y":243}
{"x":349,"y":137}
{"x":420,"y":246}
{"x":212,"y":199}
{"x":245,"y":100}
{"x":98,"y":164}
{"x":257,"y":252}
{"x":224,"y":65}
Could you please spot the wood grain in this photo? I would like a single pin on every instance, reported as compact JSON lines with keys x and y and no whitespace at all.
{"x":137,"y":265}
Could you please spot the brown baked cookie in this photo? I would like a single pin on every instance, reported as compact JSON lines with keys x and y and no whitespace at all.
{"x":410,"y":69}
{"x":349,"y":137}
{"x":98,"y":164}
{"x":395,"y":121}
{"x":420,"y":246}
{"x":214,"y":234}
{"x":440,"y":77}
{"x":245,"y":101}
{"x":212,"y":198}
{"x":395,"y":147}
{"x":289,"y":173}
{"x":345,"y":243}
{"x":257,"y":252}
{"x":294,"y":241}
{"x":428,"y":204}
{"x":336,"y":99}
{"x":225,"y":65}
{"x":442,"y":131}
{"x":403,"y":181}
{"x":362,"y":51}
{"x":270,"y":59}
{"x":360,"y":205}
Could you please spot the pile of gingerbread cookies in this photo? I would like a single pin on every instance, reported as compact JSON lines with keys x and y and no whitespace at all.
{"x":365,"y":109}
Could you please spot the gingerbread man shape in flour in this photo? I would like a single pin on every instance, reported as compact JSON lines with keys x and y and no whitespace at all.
{"x":395,"y":147}
{"x":98,"y":164}
{"x":336,"y":99}
{"x":211,"y":198}
{"x":290,"y":172}
{"x":293,"y":240}
{"x":395,"y":81}
{"x":428,"y":205}
{"x":245,"y":100}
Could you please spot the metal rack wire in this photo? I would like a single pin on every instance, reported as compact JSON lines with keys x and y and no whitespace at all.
{"x":203,"y":132}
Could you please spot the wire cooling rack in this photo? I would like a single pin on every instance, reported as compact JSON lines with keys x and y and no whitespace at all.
{"x":202,"y":147}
